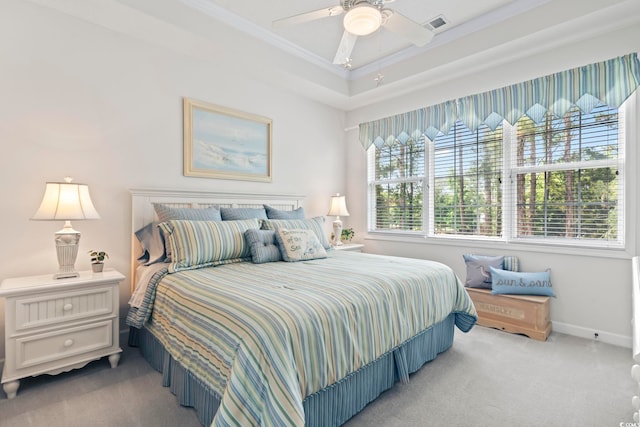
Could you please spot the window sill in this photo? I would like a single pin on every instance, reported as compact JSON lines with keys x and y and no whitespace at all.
{"x":470,"y":243}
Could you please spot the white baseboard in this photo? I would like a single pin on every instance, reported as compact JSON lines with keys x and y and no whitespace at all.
{"x":579,"y":331}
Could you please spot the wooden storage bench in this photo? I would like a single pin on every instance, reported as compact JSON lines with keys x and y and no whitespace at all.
{"x":519,"y":314}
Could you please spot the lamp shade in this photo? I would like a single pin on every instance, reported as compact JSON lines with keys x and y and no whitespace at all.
{"x":362,"y":20}
{"x":65,"y":201}
{"x":338,"y":206}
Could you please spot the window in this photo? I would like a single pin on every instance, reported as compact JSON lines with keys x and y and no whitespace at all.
{"x":467,"y":168}
{"x":557,"y":181}
{"x":396,"y":183}
{"x":567,"y":176}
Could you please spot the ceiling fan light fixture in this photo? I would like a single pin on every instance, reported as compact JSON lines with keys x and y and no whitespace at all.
{"x":362,"y":20}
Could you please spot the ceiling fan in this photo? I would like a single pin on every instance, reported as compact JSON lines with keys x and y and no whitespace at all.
{"x":363,"y":17}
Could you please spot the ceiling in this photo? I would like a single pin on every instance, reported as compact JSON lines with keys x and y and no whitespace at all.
{"x":299,"y":57}
{"x":321,"y":37}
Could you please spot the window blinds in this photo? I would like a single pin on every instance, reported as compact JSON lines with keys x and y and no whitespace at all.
{"x":467,"y":177}
{"x":566,"y":176}
{"x":396,"y":178}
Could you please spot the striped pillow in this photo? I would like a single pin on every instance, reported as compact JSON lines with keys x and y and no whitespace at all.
{"x":315,"y":224}
{"x":511,"y":263}
{"x":196,"y":244}
{"x":167,"y":213}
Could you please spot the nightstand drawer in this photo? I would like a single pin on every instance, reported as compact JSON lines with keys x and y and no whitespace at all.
{"x":50,"y":309}
{"x":48,"y":347}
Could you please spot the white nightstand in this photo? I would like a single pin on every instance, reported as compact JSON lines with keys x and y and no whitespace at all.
{"x":55,"y":325}
{"x":354,"y":247}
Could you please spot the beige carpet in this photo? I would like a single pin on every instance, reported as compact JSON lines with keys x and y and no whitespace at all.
{"x":488,"y":378}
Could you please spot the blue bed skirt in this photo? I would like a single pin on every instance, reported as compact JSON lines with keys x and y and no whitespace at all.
{"x":331,"y":406}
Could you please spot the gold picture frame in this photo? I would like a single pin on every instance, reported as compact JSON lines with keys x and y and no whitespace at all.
{"x":223,"y":143}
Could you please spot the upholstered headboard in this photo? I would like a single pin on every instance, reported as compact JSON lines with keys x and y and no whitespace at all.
{"x":142,"y":211}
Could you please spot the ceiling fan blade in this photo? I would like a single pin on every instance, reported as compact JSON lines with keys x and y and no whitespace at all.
{"x":308,"y":16}
{"x":411,"y":30}
{"x":345,"y":48}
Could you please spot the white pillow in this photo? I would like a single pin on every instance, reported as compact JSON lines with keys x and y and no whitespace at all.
{"x":299,"y":244}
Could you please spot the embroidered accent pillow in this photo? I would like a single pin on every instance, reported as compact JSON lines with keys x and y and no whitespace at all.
{"x":478,"y":273}
{"x":299,"y":244}
{"x":315,"y":224}
{"x":510,"y":282}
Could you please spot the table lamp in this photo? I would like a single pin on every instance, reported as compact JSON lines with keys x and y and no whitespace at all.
{"x":66,"y":201}
{"x":338,"y":208}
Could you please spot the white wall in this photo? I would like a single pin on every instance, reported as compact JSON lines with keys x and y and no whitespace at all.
{"x":593,"y":289}
{"x":81,"y":100}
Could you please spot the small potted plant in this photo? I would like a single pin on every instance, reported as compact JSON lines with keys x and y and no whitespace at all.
{"x":97,"y":260}
{"x":347,"y":235}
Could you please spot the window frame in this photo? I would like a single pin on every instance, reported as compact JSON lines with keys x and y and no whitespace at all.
{"x":371,"y":193}
{"x":627,"y":164}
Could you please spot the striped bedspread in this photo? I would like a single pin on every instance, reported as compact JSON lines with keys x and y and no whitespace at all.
{"x":265,"y":336}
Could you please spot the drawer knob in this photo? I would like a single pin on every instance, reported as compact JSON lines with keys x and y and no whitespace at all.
{"x":68,"y":343}
{"x":67,"y":307}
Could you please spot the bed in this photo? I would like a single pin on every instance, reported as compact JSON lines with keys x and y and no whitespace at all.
{"x":309,"y":342}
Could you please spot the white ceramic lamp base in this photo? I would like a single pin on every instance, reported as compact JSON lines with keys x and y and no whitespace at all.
{"x":337,"y":232}
{"x":67,"y":250}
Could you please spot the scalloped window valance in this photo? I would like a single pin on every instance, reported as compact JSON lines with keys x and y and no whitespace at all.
{"x":609,"y":82}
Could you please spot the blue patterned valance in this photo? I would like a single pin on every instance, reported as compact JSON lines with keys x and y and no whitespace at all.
{"x":610,"y":82}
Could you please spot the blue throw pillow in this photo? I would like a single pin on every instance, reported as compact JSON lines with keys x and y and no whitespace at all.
{"x":273,"y":213}
{"x":235,"y":214}
{"x":263,"y":246}
{"x":152,"y":244}
{"x":510,"y":282}
{"x":167,"y":213}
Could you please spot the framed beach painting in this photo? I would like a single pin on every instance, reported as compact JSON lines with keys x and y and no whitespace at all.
{"x":223,"y":143}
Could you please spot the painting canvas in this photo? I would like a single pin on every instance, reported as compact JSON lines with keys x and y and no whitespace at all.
{"x":223,"y":143}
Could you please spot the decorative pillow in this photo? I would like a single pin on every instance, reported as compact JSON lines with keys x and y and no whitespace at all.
{"x":510,"y":282}
{"x":299,"y":245}
{"x":167,"y":213}
{"x":196,"y":244}
{"x":273,"y":213}
{"x":234,"y":214}
{"x":152,"y":244}
{"x":315,"y":224}
{"x":478,"y":273}
{"x":511,"y":263}
{"x":262,"y":245}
